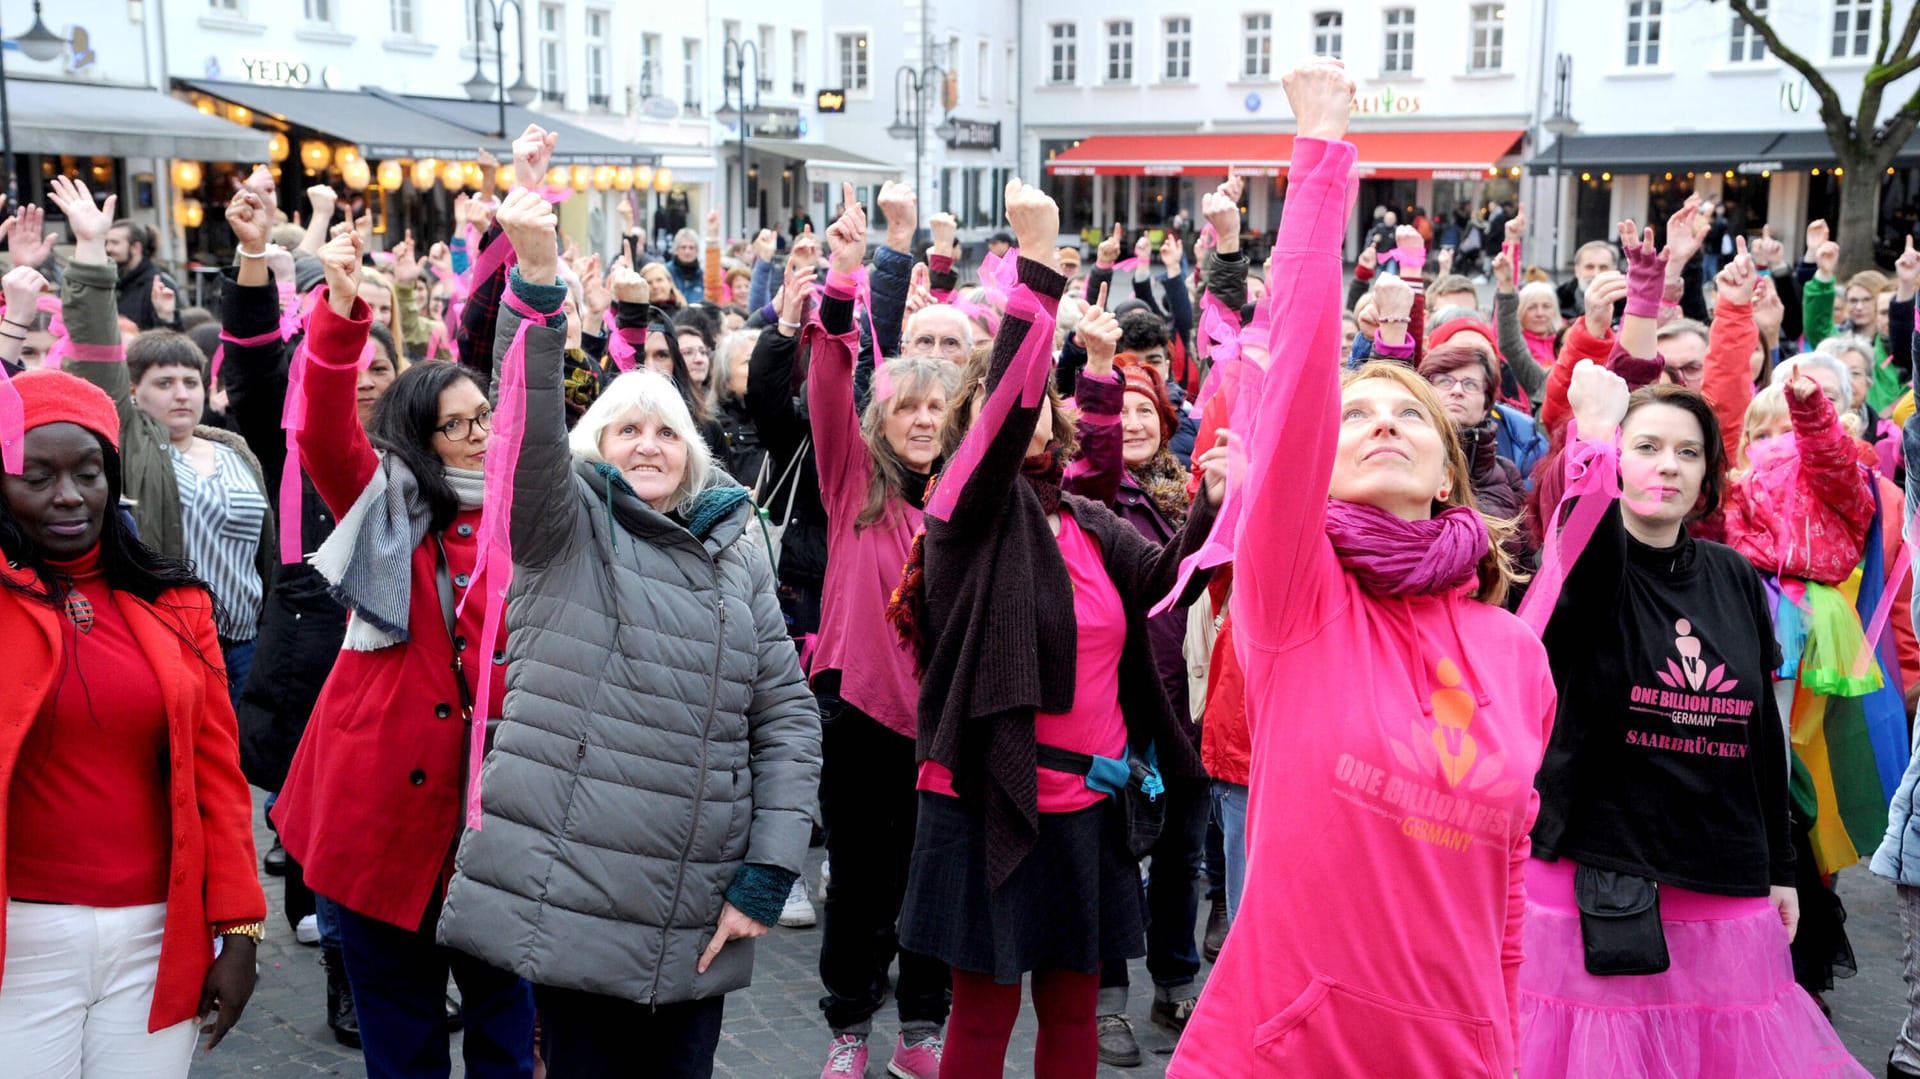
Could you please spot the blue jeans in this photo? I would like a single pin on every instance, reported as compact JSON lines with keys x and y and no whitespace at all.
{"x":239,"y":659}
{"x":399,"y":980}
{"x":1173,"y":901}
{"x":589,"y":1036}
{"x":1230,"y":809}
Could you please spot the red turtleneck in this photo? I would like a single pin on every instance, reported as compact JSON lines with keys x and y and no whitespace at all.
{"x":87,"y":818}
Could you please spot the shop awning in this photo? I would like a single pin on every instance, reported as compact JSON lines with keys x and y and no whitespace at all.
{"x":85,"y":119}
{"x":1743,"y":151}
{"x":382,"y":125}
{"x":577,"y":145}
{"x":386,"y":125}
{"x":1383,"y":154}
{"x":1174,"y":155}
{"x":816,"y":156}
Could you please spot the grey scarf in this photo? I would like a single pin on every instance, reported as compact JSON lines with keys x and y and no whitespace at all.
{"x":369,"y":557}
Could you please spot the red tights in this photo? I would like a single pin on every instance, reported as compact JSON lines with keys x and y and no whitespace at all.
{"x":982,"y":1021}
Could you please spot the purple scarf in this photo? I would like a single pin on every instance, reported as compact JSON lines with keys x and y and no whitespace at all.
{"x":1395,"y":557}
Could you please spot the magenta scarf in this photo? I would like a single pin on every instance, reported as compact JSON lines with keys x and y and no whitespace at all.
{"x":1395,"y":557}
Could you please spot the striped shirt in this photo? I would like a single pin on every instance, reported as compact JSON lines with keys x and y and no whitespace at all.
{"x":222,"y":515}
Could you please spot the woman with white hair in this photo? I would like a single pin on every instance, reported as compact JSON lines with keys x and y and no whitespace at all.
{"x":727,"y":404}
{"x":648,"y":799}
{"x":1857,"y":355}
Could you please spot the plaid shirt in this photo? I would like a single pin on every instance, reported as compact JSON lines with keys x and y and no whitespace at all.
{"x":482,"y":313}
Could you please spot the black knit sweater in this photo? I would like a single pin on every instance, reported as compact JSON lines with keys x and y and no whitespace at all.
{"x":1001,"y":642}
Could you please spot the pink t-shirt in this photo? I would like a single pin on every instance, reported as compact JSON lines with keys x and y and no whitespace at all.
{"x":1095,"y":725}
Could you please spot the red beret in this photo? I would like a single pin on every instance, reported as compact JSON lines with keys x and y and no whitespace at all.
{"x":49,"y":396}
{"x":1146,"y":381}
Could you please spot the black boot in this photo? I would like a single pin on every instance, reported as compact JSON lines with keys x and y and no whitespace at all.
{"x":1216,"y":929}
{"x":340,"y":1014}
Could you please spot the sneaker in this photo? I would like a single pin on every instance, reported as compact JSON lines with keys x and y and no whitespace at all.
{"x":1172,"y":1014}
{"x":847,"y":1056}
{"x":798,"y":913}
{"x":826,"y":874}
{"x":308,"y":931}
{"x":918,"y":1058}
{"x":1117,"y":1046}
{"x":1216,"y":936}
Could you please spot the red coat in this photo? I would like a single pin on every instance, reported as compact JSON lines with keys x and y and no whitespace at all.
{"x":212,"y":879}
{"x":1805,"y":507}
{"x":371,"y":806}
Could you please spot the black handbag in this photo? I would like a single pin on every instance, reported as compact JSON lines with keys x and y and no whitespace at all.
{"x":1142,"y":803}
{"x":1619,"y":922}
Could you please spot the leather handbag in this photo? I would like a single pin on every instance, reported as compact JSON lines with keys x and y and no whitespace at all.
{"x":1619,"y":922}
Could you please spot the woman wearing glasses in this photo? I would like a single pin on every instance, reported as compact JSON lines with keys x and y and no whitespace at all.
{"x":371,"y":806}
{"x":1463,"y":375}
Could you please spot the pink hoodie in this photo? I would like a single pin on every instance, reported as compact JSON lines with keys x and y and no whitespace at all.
{"x":1394,"y":746}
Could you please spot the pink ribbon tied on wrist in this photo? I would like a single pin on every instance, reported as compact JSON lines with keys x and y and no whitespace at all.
{"x":1592,"y":471}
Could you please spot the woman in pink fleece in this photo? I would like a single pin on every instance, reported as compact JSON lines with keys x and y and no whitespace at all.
{"x":873,"y":470}
{"x":1397,"y":713}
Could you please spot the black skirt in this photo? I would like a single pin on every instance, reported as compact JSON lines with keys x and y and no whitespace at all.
{"x":1074,"y":899}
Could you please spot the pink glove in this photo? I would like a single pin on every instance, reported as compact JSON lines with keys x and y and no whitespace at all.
{"x":1411,"y":259}
{"x":1646,"y":282}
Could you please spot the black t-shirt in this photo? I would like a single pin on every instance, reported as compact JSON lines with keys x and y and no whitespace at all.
{"x":1668,"y":758}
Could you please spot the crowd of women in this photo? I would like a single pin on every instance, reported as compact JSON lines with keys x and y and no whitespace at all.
{"x":1511,"y":688}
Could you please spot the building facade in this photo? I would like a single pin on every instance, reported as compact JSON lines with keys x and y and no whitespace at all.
{"x":1137,"y":110}
{"x":1673,"y":97}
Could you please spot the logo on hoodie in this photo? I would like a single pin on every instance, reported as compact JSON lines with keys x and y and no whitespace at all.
{"x":1448,"y":746}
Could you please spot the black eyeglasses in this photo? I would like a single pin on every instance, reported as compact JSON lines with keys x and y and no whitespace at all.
{"x":459,"y":430}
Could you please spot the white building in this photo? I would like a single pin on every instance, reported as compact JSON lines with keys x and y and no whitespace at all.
{"x":1670,"y":97}
{"x":1139,"y":108}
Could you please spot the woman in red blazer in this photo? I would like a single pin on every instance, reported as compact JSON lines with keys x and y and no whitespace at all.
{"x":127,"y":826}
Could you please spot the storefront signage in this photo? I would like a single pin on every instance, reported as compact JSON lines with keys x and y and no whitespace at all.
{"x":831,"y":101}
{"x":974,"y":135}
{"x":1755,"y":168}
{"x":1073,"y":170}
{"x":1385,"y":102}
{"x":660,"y":108}
{"x":282,"y":71}
{"x":781,"y":124}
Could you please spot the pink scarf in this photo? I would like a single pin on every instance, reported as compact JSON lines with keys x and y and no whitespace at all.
{"x":1396,"y":557}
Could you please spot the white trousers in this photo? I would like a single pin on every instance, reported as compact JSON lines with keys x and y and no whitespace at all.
{"x":76,"y":991}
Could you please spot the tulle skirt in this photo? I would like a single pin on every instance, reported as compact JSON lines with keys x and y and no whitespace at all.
{"x":1727,"y":1008}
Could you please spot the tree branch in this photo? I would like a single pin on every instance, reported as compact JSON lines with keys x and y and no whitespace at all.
{"x":1886,"y":24}
{"x":1831,"y":110}
{"x":1893,"y":135}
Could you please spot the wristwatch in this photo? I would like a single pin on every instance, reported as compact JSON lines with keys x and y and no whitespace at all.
{"x":255,"y":930}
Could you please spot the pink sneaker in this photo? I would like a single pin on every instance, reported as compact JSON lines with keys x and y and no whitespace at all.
{"x":847,"y":1056}
{"x":920,"y":1060}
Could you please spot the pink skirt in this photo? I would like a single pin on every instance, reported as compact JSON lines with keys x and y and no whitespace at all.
{"x":1728,"y":1007}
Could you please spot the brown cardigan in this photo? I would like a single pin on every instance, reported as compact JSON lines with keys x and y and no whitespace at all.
{"x":1001,"y":641}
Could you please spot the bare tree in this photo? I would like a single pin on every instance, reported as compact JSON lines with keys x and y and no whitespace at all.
{"x":1863,"y":145}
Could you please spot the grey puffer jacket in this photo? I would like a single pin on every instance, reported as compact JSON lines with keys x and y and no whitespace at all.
{"x":657,"y":734}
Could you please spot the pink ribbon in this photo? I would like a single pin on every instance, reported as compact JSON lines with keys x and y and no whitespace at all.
{"x":220,"y":353}
{"x":293,"y":417}
{"x":1881,"y":611}
{"x":1221,"y":330}
{"x":1593,"y":477}
{"x":1025,"y":381}
{"x":1129,"y":264}
{"x":622,"y":347}
{"x":493,"y":557}
{"x":495,"y":258}
{"x":13,"y":427}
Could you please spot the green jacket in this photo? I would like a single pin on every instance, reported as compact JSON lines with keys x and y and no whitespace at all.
{"x":92,"y":316}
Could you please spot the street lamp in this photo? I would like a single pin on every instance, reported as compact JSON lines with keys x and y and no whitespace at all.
{"x":1560,"y":125}
{"x":734,"y":105}
{"x":479,"y":88}
{"x":910,"y":90}
{"x":39,"y":43}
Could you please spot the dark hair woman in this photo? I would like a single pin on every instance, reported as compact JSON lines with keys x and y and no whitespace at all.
{"x":372,"y":803}
{"x":873,"y":478}
{"x":1397,"y":706}
{"x":1028,"y":607}
{"x":197,"y":491}
{"x":128,"y":841}
{"x":656,"y":345}
{"x":1663,"y":646}
{"x":302,"y":624}
{"x":648,"y":803}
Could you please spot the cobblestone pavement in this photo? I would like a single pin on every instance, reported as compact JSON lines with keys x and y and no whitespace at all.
{"x":774,"y":1031}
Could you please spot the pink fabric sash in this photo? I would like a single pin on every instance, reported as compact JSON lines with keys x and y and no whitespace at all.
{"x":293,"y":418}
{"x":13,"y":427}
{"x":220,"y":353}
{"x":1025,"y":381}
{"x":493,"y":559}
{"x":1882,"y":610}
{"x":1593,"y":477}
{"x":1221,"y":331}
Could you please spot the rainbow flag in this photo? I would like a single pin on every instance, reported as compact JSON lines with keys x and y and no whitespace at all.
{"x":1855,"y":748}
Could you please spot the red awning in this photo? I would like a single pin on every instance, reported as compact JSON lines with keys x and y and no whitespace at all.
{"x":1174,"y":155}
{"x":1387,"y":155}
